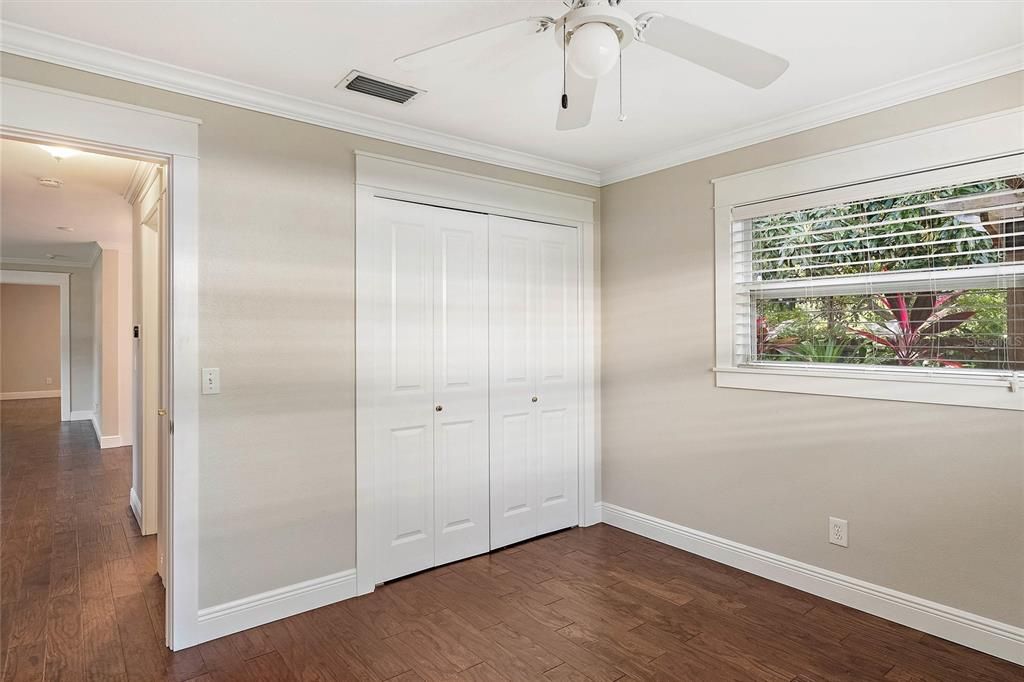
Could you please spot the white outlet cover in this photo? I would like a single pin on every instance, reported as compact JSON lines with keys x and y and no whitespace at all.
{"x":838,"y":532}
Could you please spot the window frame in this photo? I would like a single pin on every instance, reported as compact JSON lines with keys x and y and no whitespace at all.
{"x":969,"y":150}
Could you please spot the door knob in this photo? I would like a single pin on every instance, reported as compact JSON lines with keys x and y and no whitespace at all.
{"x":533,"y":399}
{"x":438,"y":408}
{"x":161,"y":412}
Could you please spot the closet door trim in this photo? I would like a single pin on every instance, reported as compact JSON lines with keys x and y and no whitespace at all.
{"x":385,"y":177}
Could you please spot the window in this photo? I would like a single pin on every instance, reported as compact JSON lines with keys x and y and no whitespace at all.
{"x":925,"y":279}
{"x":893,"y":270}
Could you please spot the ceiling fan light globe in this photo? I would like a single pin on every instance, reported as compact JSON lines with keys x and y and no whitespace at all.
{"x":594,"y":49}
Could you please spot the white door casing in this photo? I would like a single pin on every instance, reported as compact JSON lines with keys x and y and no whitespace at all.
{"x":534,"y":364}
{"x":41,"y":114}
{"x":431,"y":465}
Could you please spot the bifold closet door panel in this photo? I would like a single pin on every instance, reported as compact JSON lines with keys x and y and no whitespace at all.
{"x":430,"y":386}
{"x":513,"y":267}
{"x":534,"y":379}
{"x":403,"y":353}
{"x":557,"y":368}
{"x":461,"y":478}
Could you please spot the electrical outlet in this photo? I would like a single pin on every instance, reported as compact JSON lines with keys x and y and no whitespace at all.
{"x":838,"y":532}
{"x":49,"y":381}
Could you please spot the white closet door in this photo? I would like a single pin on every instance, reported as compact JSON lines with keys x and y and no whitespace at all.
{"x":534,"y":383}
{"x":430,"y":374}
{"x":404,"y":388}
{"x":557,"y":371}
{"x":461,"y":479}
{"x":513,"y":419}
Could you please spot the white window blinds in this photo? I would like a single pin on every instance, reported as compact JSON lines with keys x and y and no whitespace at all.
{"x":931,"y":279}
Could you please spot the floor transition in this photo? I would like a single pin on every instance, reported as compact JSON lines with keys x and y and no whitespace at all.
{"x":81,"y":601}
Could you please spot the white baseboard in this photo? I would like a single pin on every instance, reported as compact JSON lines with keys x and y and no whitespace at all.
{"x":105,"y":441}
{"x":81,"y":416}
{"x":984,"y":634}
{"x":136,"y":504}
{"x":110,"y":442}
{"x":258,"y":609}
{"x":29,"y":395}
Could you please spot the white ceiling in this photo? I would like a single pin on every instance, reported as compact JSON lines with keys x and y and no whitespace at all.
{"x":842,"y":54}
{"x":91,"y":202}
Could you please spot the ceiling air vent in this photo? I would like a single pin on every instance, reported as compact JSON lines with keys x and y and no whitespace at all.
{"x":378,"y":87}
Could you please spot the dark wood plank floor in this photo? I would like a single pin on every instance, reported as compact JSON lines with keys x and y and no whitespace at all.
{"x":81,"y":601}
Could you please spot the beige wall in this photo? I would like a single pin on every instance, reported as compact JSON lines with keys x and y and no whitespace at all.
{"x":934,"y":495}
{"x":80,"y":299}
{"x":276,"y":278}
{"x":29,"y":338}
{"x":112,"y":320}
{"x":107,"y":319}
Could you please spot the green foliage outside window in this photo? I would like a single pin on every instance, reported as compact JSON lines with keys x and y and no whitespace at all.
{"x":951,"y":329}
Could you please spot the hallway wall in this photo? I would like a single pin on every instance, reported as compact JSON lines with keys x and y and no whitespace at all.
{"x":80,"y":295}
{"x":29,"y":339}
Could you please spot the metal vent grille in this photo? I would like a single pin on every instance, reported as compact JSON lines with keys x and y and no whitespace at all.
{"x":377,"y":87}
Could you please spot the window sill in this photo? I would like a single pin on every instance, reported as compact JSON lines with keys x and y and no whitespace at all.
{"x":994,"y":392}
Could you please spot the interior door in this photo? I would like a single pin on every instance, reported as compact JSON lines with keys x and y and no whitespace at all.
{"x":165,"y":369}
{"x":557,"y":377}
{"x":534,"y":379}
{"x":430,"y":391}
{"x":513,"y":265}
{"x":461,"y":479}
{"x":404,"y":388}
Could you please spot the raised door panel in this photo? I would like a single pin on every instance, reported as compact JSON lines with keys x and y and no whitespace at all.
{"x":557,"y":350}
{"x":403,"y":389}
{"x":406,"y":516}
{"x":460,"y":387}
{"x":514,"y":502}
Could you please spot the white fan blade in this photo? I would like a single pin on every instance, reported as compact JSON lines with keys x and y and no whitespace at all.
{"x":581,"y":93}
{"x":474,"y":45}
{"x":730,"y":58}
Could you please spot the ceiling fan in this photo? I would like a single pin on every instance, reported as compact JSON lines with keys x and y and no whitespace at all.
{"x":592,"y":35}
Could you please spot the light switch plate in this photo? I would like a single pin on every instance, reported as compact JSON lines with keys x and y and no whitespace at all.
{"x":211,"y":380}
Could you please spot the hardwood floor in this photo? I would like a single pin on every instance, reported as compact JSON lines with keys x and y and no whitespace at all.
{"x":81,"y":601}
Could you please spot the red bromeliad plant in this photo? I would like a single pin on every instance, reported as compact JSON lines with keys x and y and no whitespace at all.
{"x":769,"y":340}
{"x":907,"y":333}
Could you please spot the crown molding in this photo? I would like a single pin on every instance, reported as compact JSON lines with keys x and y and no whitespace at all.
{"x":135,"y":180}
{"x":54,"y":263}
{"x":97,"y":251}
{"x":984,"y":67}
{"x":50,"y":47}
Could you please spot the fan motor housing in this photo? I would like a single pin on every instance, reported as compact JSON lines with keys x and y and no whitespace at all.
{"x":618,"y":19}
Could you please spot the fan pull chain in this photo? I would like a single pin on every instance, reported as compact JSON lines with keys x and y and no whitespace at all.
{"x":565,"y":96}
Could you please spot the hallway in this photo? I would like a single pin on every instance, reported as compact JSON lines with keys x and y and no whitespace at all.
{"x":80,"y":594}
